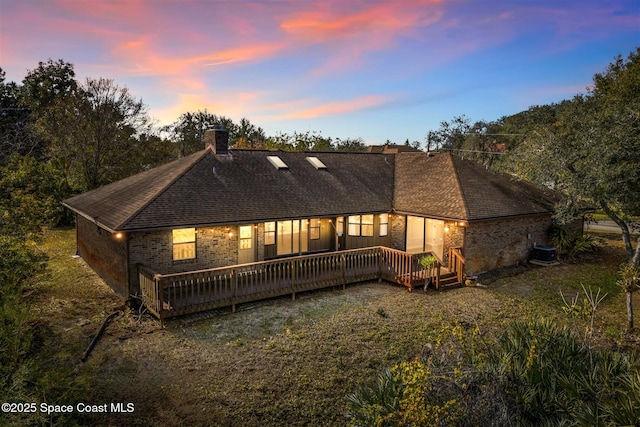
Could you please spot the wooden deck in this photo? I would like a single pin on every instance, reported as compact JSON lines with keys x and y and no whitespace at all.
{"x":169,"y":295}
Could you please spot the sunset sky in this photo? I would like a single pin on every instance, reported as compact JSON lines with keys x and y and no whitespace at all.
{"x":387,"y":69}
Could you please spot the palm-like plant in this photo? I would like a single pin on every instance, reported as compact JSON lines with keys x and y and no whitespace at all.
{"x":428,"y":262}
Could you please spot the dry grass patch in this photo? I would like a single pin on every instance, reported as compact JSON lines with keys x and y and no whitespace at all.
{"x":276,"y":362}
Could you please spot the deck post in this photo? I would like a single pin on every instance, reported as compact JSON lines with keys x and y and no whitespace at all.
{"x":343,"y":271}
{"x":380,"y":261}
{"x":294,"y":270}
{"x":160,"y":298}
{"x":234,"y":284}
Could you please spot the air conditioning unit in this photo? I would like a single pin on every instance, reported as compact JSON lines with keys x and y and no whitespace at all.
{"x":544,"y":253}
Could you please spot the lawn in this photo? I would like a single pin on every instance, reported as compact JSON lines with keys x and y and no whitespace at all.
{"x":282,"y":362}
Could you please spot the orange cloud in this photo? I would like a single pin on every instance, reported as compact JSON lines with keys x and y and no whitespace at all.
{"x":320,"y":25}
{"x":338,"y":107}
{"x":348,"y":33}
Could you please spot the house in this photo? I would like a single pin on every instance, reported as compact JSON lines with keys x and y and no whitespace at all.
{"x":221,"y":207}
{"x":392,"y":149}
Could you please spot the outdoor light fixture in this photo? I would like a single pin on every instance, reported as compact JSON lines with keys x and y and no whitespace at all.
{"x":119,"y":235}
{"x":446,"y":228}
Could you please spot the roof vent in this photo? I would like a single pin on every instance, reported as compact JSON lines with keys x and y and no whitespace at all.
{"x":316,"y":162}
{"x":277,"y":162}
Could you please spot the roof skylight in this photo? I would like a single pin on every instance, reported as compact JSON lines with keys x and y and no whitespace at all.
{"x":316,"y":162}
{"x":277,"y":162}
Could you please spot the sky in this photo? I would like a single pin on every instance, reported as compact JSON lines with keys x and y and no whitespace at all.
{"x":379,"y":70}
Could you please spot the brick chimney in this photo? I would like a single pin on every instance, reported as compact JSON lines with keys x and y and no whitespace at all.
{"x":217,"y":138}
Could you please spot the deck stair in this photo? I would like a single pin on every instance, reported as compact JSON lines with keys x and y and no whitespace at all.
{"x":447,"y":280}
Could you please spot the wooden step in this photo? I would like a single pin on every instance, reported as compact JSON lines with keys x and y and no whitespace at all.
{"x":449,"y":281}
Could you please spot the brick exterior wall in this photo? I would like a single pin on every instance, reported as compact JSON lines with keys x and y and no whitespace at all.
{"x":398,"y":231}
{"x":489,"y":245}
{"x":214,"y":248}
{"x":452,"y":238}
{"x":105,"y":254}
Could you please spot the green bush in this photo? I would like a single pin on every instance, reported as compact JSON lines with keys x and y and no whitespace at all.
{"x":536,"y":373}
{"x":572,"y":244}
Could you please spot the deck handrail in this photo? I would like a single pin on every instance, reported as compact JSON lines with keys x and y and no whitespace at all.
{"x":456,"y":262}
{"x":173,"y":294}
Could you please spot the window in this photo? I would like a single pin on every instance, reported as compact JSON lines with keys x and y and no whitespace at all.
{"x":316,"y":162}
{"x":269,"y":233}
{"x":384,"y":225}
{"x":293,"y":237}
{"x":354,"y":225}
{"x":361,"y":225}
{"x":314,"y":229}
{"x":246,"y":237}
{"x":184,"y":243}
{"x":367,"y":225}
{"x":340,"y":226}
{"x":277,"y":162}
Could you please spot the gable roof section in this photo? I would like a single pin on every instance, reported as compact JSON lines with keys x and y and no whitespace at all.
{"x":114,"y":204}
{"x":206,"y":189}
{"x":448,"y":187}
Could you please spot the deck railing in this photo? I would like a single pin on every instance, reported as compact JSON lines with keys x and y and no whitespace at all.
{"x":168,"y":295}
{"x":456,"y":263}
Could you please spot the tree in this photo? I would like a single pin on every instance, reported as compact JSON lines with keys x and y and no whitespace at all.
{"x":93,"y":133}
{"x":350,"y":144}
{"x":43,"y":87}
{"x":248,"y":136}
{"x":630,"y":283}
{"x":188,"y":131}
{"x":14,"y":117}
{"x":589,"y":149}
{"x":308,"y":141}
{"x":450,"y":136}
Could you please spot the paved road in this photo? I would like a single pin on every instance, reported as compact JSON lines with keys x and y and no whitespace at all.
{"x":604,"y":226}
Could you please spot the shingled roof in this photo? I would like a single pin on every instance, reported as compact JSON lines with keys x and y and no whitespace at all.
{"x":240,"y":187}
{"x":445,"y":186}
{"x":244,"y":186}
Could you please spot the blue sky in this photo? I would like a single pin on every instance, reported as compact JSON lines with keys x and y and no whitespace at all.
{"x":372,"y":69}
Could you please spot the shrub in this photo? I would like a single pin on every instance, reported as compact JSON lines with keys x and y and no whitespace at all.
{"x":572,"y":244}
{"x":536,"y":373}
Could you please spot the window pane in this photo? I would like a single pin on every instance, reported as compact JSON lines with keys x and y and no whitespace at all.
{"x":367,"y":225}
{"x":304,"y":235}
{"x":245,"y":231}
{"x":269,"y":233}
{"x":384,"y":225}
{"x":246,"y":237}
{"x":184,"y":246}
{"x":354,"y":225}
{"x":415,"y":234}
{"x":314,"y":229}
{"x":284,"y":237}
{"x":183,"y":235}
{"x":184,"y":251}
{"x":296,"y":236}
{"x":340,"y":225}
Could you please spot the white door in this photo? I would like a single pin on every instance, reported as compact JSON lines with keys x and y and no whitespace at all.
{"x":246,"y":244}
{"x":434,"y":237}
{"x":415,"y":234}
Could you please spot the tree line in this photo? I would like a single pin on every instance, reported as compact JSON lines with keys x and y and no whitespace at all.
{"x":587,"y":147}
{"x":95,"y":132}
